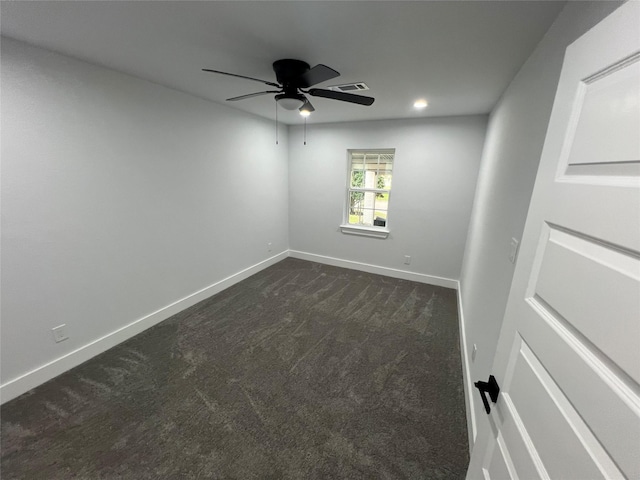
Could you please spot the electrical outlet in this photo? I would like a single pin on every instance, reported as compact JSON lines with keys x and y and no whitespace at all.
{"x":269,"y":247}
{"x":407,"y":260}
{"x":474,"y":352}
{"x":513,"y":253}
{"x":60,"y":333}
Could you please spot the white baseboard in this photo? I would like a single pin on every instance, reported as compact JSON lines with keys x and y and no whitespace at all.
{"x":46,"y":372}
{"x":366,"y":267}
{"x":466,"y":376}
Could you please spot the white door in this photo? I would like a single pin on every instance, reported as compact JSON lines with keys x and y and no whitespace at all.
{"x":568,"y":358}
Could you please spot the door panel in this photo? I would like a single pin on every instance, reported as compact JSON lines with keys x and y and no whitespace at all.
{"x":498,"y":464}
{"x":534,"y":399}
{"x":602,"y":394}
{"x":539,"y":397}
{"x":607,"y":214}
{"x":568,"y":360}
{"x":584,"y":282}
{"x":607,"y":116}
{"x":522,"y":451}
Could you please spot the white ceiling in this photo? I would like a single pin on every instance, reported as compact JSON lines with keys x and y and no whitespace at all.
{"x":459,"y":55}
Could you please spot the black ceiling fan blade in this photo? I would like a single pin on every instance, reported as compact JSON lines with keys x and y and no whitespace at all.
{"x":318,"y":74}
{"x":307,"y":106}
{"x":344,"y":97}
{"x":250,"y":95}
{"x":241,"y":76}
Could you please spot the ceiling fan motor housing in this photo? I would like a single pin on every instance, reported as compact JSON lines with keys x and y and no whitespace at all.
{"x":289,"y":70}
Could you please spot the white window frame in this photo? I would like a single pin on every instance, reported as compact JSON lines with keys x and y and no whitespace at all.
{"x":365,"y":230}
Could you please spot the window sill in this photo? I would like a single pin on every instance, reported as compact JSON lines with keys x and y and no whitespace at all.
{"x":375,"y":232}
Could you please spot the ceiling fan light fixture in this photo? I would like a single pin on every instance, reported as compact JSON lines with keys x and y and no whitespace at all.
{"x":305,"y":113}
{"x":290,"y":102}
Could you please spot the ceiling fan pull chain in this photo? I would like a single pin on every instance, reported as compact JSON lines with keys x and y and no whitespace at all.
{"x":276,"y":123}
{"x":305,"y":130}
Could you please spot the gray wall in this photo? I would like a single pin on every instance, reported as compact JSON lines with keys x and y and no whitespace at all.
{"x":120,"y":197}
{"x":515,"y":138}
{"x":434,"y":178}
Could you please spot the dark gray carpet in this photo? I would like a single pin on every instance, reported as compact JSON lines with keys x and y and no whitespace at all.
{"x":302,"y":371}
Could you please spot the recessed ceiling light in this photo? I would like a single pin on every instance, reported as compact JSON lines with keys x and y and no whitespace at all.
{"x":305,"y":113}
{"x":420,"y":104}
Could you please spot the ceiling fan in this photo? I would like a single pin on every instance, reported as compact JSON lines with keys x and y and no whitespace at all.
{"x":295,"y":78}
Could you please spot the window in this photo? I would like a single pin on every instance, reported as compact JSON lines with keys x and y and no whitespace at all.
{"x":369,"y":188}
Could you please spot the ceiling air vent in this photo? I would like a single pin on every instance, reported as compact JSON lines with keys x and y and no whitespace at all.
{"x":349,"y":87}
